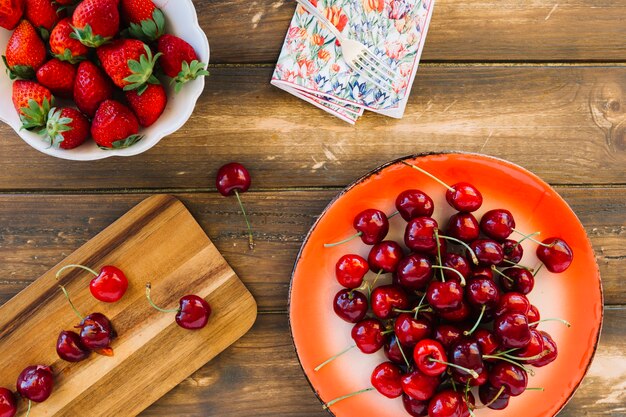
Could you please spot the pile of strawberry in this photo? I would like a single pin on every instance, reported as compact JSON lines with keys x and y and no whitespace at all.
{"x":105,"y":55}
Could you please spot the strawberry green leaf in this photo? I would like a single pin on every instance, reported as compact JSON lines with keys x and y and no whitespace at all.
{"x":149,"y":30}
{"x":69,"y":57}
{"x":35,"y":115}
{"x":141,"y":70}
{"x":189,"y":72}
{"x":19,"y":71}
{"x":124,"y":143}
{"x":87,"y":37}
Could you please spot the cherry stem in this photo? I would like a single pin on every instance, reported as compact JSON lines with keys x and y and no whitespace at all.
{"x":519,"y":242}
{"x":60,"y":271}
{"x":565,"y":322}
{"x":535,"y":389}
{"x":460,"y":242}
{"x":494,"y":399}
{"x":443,"y":278}
{"x":344,"y":397}
{"x":30,"y":404}
{"x":537,"y":270}
{"x":447,"y":268}
{"x":423,"y":171}
{"x":332,"y":358}
{"x":517,"y":264}
{"x":380,"y":271}
{"x":419,"y":305}
{"x":502,"y":274}
{"x":473,"y":373}
{"x":341,"y":242}
{"x":387,"y":332}
{"x":502,"y":358}
{"x":392,"y":215}
{"x":480,"y":317}
{"x":530,"y":358}
{"x":69,"y":300}
{"x":364,"y":286}
{"x":408,"y":365}
{"x":530,"y":237}
{"x":156,"y":307}
{"x":245,"y":216}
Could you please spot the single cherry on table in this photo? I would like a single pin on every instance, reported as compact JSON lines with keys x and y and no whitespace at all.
{"x":70,"y":347}
{"x":192,"y":313}
{"x":109,"y":285}
{"x":8,"y":404}
{"x":35,"y":383}
{"x":234,"y":179}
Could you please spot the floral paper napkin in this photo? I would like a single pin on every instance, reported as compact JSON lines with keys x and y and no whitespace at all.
{"x":311,"y":65}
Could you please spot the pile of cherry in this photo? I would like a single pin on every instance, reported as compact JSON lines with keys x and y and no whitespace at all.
{"x":456,"y":315}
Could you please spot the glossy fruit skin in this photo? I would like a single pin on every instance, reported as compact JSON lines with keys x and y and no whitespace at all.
{"x":487,"y":393}
{"x":489,"y":252}
{"x":35,"y":383}
{"x":42,"y":13}
{"x":232,"y":177}
{"x":113,"y":123}
{"x":444,"y":295}
{"x":23,"y":92}
{"x":350,"y":270}
{"x":419,"y":235}
{"x":393,"y":353}
{"x":430,"y":349}
{"x":175,"y":51}
{"x":513,"y":330}
{"x":79,"y":128}
{"x":512,"y":377}
{"x":386,"y":298}
{"x":148,"y":106}
{"x":458,"y":262}
{"x":497,"y":224}
{"x":458,"y":314}
{"x":463,"y":226}
{"x":534,"y":348}
{"x":114,"y":58}
{"x":466,"y":353}
{"x":194,"y":312}
{"x":523,"y":280}
{"x":410,"y":330}
{"x":447,"y":403}
{"x":386,"y":378}
{"x":415,"y":408}
{"x":552,"y":351}
{"x":110,"y":285}
{"x":135,"y":11}
{"x":414,"y":203}
{"x":25,"y":51}
{"x":96,"y":331}
{"x":465,"y":197}
{"x":103,"y":18}
{"x":447,"y":334}
{"x":482,"y":292}
{"x":70,"y":348}
{"x":58,"y":76}
{"x":513,"y":251}
{"x":63,"y":46}
{"x":10,"y":14}
{"x":481,"y":272}
{"x":385,"y":256}
{"x":513,"y":302}
{"x":372,"y":224}
{"x":556,"y":258}
{"x":533,"y":316}
{"x":91,"y":88}
{"x":419,"y":386}
{"x":414,"y":271}
{"x":8,"y":404}
{"x":487,"y":341}
{"x":350,"y":306}
{"x":368,"y":335}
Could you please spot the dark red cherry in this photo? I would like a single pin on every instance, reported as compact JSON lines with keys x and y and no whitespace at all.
{"x":419,"y":235}
{"x":393,"y":352}
{"x":467,"y":354}
{"x":447,"y":334}
{"x":487,"y":394}
{"x":386,"y":378}
{"x":513,"y":330}
{"x":414,"y":203}
{"x":551,"y":351}
{"x":487,"y":341}
{"x":513,"y":378}
{"x":447,"y":403}
{"x":414,"y":272}
{"x":232,"y":178}
{"x":386,"y":299}
{"x":193,"y":313}
{"x":429,"y":356}
{"x":557,"y":257}
{"x":419,"y":386}
{"x":521,"y":280}
{"x":513,"y":252}
{"x":96,"y":332}
{"x":8,"y":404}
{"x":385,"y":256}
{"x":372,"y":224}
{"x":70,"y":348}
{"x":464,"y":197}
{"x":489,"y":252}
{"x":513,"y":302}
{"x":415,"y":408}
{"x":410,"y":330}
{"x":351,"y":306}
{"x":534,"y":348}
{"x":368,"y":335}
{"x":109,"y":285}
{"x":350,"y":270}
{"x":497,"y":224}
{"x":444,"y":295}
{"x":463,"y":226}
{"x":533,"y":316}
{"x":457,"y":262}
{"x":482,"y":379}
{"x":482,"y":292}
{"x":35,"y":383}
{"x":434,"y":252}
{"x":458,"y":314}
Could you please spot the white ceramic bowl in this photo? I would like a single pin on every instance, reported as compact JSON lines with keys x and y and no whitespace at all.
{"x":181,"y":21}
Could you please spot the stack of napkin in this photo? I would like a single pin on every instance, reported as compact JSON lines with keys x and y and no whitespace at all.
{"x":311,"y":65}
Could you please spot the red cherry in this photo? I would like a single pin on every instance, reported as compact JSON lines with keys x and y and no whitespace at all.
{"x":457,"y":314}
{"x":414,"y":272}
{"x":513,"y":378}
{"x":410,"y":330}
{"x":386,"y":299}
{"x":350,"y":270}
{"x":447,"y":403}
{"x":557,"y":256}
{"x":108,"y":286}
{"x":232,"y":178}
{"x":419,"y":234}
{"x":487,"y":341}
{"x":8,"y":404}
{"x":419,"y":386}
{"x":70,"y":347}
{"x":386,"y":378}
{"x":482,"y":292}
{"x":521,"y":280}
{"x":393,"y":353}
{"x":444,"y":295}
{"x":429,"y":356}
{"x":482,"y":378}
{"x":513,"y":330}
{"x":466,"y":354}
{"x":489,"y":395}
{"x":35,"y":383}
{"x":497,"y":224}
{"x":385,"y":256}
{"x":414,"y":203}
{"x":551,"y":351}
{"x":96,"y":332}
{"x":533,"y":316}
{"x":534,"y":348}
{"x":372,"y":224}
{"x":513,"y":302}
{"x":457,"y":262}
{"x":513,"y":252}
{"x":481,"y":272}
{"x":447,"y":334}
{"x":192,"y":314}
{"x":489,"y":252}
{"x":368,"y":335}
{"x":464,"y":197}
{"x":351,"y":306}
{"x":415,"y":408}
{"x":463,"y":226}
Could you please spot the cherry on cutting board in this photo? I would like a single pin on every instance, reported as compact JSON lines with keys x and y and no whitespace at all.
{"x":8,"y":404}
{"x":70,"y":348}
{"x":234,"y":179}
{"x":108,"y":286}
{"x":555,"y":254}
{"x":35,"y":383}
{"x":192,"y":314}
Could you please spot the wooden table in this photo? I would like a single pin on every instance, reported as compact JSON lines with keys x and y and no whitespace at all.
{"x":541,"y":83}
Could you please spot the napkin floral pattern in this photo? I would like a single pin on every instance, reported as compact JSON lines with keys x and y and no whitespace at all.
{"x":312,"y":65}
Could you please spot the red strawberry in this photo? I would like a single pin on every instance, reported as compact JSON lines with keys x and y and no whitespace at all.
{"x":129,"y":63}
{"x":115,"y":126}
{"x":66,"y":2}
{"x":67,"y":128}
{"x":91,"y":88}
{"x":149,"y":105}
{"x":43,"y":14}
{"x":63,"y":46}
{"x":58,"y":77}
{"x":32,"y":102}
{"x":146,"y":21}
{"x":96,"y":22}
{"x":180,"y":61}
{"x":10,"y":13}
{"x":25,"y":52}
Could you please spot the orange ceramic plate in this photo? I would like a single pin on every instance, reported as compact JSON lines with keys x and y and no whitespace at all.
{"x":575,"y":295}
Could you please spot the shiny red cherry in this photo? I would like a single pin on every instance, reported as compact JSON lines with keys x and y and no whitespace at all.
{"x":372,"y":224}
{"x":419,"y":386}
{"x":513,"y":330}
{"x":463,"y":226}
{"x":466,"y":353}
{"x":464,"y":197}
{"x":513,"y":378}
{"x":234,"y":179}
{"x":430,"y":357}
{"x":513,"y":252}
{"x":410,"y":330}
{"x":458,"y":314}
{"x":414,"y":272}
{"x":483,"y":378}
{"x":489,"y":395}
{"x":419,"y":235}
{"x":481,"y":272}
{"x":557,"y":256}
{"x":350,"y":270}
{"x":35,"y":383}
{"x":513,"y":302}
{"x":96,"y":332}
{"x":386,"y":378}
{"x":368,"y":335}
{"x":551,"y":351}
{"x":192,"y":313}
{"x":385,"y":256}
{"x":533,"y":316}
{"x":415,"y":408}
{"x":8,"y":404}
{"x":487,"y":251}
{"x":447,"y":334}
{"x":393,"y":351}
{"x":70,"y":348}
{"x":520,"y":280}
{"x":497,"y":224}
{"x":350,"y":306}
{"x":444,"y":295}
{"x":534,"y":348}
{"x":109,"y":285}
{"x":487,"y":341}
{"x":482,"y":292}
{"x":447,"y":403}
{"x":386,"y":299}
{"x":414,"y":203}
{"x":457,"y":262}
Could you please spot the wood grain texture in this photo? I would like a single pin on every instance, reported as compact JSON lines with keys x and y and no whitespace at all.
{"x":237,"y":384}
{"x":37,"y":231}
{"x":566,"y":124}
{"x":156,"y":241}
{"x":474,"y":30}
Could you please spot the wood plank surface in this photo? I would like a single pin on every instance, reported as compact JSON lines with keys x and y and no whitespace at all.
{"x":471,"y":30}
{"x":37,"y":231}
{"x":237,"y":384}
{"x":566,"y":124}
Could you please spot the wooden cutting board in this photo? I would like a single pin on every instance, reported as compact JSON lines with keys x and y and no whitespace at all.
{"x":157,"y":241}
